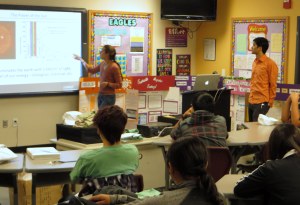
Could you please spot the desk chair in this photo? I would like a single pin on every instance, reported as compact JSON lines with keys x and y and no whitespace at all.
{"x":139,"y":180}
{"x":131,"y":182}
{"x":219,"y":162}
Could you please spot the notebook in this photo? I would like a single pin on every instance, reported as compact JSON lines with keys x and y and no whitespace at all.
{"x":206,"y":82}
{"x":43,"y":153}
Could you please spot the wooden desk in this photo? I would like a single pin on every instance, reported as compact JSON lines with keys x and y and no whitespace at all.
{"x":45,"y":173}
{"x":9,"y":172}
{"x":226,"y":187}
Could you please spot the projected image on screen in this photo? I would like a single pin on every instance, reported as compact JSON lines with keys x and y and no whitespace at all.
{"x":36,"y":50}
{"x":7,"y":40}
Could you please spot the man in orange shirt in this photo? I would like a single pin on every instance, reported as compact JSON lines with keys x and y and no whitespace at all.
{"x":263,"y":80}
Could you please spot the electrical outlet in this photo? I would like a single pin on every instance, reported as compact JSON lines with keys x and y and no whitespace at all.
{"x":5,"y":123}
{"x":15,"y":122}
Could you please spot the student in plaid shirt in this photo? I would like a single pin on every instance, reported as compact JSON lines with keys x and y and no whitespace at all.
{"x":200,"y":121}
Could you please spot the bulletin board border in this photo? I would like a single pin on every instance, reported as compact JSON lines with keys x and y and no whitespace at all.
{"x":249,"y":20}
{"x":93,"y":13}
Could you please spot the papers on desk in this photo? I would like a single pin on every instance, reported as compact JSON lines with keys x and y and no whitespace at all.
{"x":49,"y":153}
{"x":131,"y":136}
{"x":6,"y":154}
{"x":265,"y":120}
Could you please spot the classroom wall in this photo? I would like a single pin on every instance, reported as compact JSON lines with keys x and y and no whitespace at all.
{"x":221,"y":31}
{"x":38,"y":115}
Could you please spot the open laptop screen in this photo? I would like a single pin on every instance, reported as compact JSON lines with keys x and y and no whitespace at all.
{"x":206,"y":82}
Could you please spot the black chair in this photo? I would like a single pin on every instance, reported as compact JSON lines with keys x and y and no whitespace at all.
{"x":139,"y":180}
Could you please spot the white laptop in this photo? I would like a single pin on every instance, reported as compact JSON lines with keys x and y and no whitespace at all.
{"x":207,"y":82}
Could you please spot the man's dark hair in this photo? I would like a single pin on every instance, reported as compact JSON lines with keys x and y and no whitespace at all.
{"x":203,"y":101}
{"x":263,"y":43}
{"x":111,"y":121}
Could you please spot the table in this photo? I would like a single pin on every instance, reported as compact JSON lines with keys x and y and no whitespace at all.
{"x":64,"y":144}
{"x":9,"y":172}
{"x":237,"y":141}
{"x":226,"y":186}
{"x":45,"y":173}
{"x":255,"y":136}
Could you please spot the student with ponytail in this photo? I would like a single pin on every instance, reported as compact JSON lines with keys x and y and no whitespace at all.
{"x":278,"y":179}
{"x":110,"y":75}
{"x":187,"y":161}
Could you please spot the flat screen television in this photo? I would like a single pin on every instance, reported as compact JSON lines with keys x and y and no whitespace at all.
{"x":189,"y":10}
{"x":36,"y":49}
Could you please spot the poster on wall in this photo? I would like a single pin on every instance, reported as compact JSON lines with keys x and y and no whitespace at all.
{"x":164,"y":62}
{"x":129,"y":33}
{"x":183,"y":65}
{"x":176,"y":37}
{"x":247,"y":29}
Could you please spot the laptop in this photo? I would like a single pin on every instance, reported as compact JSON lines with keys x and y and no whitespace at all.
{"x":206,"y":82}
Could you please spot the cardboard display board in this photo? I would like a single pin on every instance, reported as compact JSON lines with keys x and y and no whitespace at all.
{"x":244,"y":30}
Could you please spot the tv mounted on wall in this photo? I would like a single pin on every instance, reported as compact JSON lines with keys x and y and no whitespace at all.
{"x":189,"y":10}
{"x":36,"y":49}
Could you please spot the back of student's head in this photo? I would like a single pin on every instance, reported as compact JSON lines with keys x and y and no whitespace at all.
{"x":263,"y":43}
{"x":283,"y":138}
{"x":188,"y":156}
{"x":111,"y":121}
{"x":203,"y":101}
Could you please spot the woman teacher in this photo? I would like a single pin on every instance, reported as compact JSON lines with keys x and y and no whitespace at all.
{"x":110,"y":75}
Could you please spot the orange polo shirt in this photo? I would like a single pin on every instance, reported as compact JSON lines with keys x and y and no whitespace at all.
{"x":263,"y":81}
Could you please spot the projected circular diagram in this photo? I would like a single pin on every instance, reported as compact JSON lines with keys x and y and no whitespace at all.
{"x":7,"y":40}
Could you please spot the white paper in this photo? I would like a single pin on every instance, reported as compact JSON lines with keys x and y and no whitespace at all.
{"x":137,"y":64}
{"x":83,"y":102}
{"x":240,"y":62}
{"x":132,"y":99}
{"x":120,"y":100}
{"x":153,"y":115}
{"x":111,"y":40}
{"x":209,"y":49}
{"x":142,"y":101}
{"x":155,"y":101}
{"x":250,"y":59}
{"x":173,"y":94}
{"x":245,"y":73}
{"x":276,"y":57}
{"x":170,"y":107}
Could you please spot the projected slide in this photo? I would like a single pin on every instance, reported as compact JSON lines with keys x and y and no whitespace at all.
{"x":7,"y":40}
{"x":36,"y":51}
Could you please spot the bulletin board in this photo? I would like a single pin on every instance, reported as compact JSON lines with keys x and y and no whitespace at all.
{"x":244,"y":30}
{"x":129,"y":33}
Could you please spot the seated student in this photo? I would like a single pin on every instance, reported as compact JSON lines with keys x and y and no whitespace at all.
{"x":114,"y":161}
{"x":290,"y":110}
{"x":187,"y":162}
{"x":278,"y":179}
{"x":200,"y":121}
